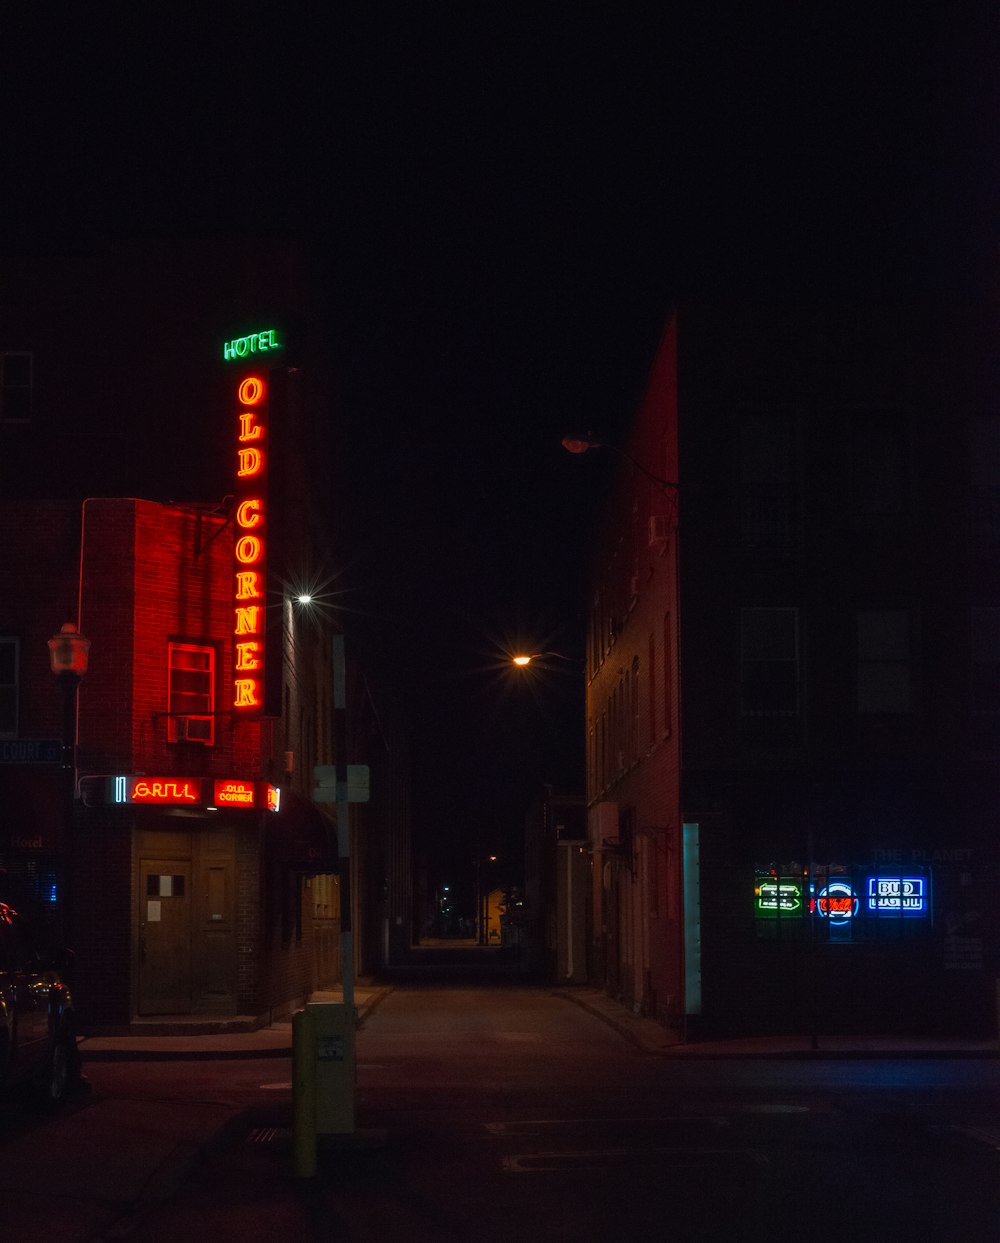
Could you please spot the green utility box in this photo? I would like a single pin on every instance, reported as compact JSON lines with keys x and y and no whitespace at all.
{"x":336,"y":1069}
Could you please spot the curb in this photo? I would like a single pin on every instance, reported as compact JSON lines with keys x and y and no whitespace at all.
{"x":171,"y":1174}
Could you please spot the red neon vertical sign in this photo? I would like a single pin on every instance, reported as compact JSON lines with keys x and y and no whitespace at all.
{"x":250,"y":569}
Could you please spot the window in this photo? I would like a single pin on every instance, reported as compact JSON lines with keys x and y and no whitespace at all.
{"x":884,"y":661}
{"x":984,"y":482}
{"x":668,"y":681}
{"x":634,"y":712}
{"x":191,"y":697}
{"x":985,"y":653}
{"x":652,"y":690}
{"x":16,"y":381}
{"x":880,"y":469}
{"x":8,"y":687}
{"x":769,"y":674}
{"x":770,"y":661}
{"x":768,"y":509}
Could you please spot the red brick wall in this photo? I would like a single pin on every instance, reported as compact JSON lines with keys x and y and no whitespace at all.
{"x":633,"y":748}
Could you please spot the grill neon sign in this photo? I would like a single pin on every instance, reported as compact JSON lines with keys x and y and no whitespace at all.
{"x":168,"y":791}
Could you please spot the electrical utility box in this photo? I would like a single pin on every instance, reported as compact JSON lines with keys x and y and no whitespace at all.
{"x":336,"y":1067}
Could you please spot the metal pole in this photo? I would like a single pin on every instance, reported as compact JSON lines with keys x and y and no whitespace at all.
{"x":343,"y":821}
{"x":303,"y":1095}
{"x":69,"y":685}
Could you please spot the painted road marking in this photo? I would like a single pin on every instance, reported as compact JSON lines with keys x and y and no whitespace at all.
{"x":599,"y":1158}
{"x":540,"y":1125}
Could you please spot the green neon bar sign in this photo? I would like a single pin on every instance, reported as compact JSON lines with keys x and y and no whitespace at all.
{"x":777,"y":897}
{"x":255,"y":343}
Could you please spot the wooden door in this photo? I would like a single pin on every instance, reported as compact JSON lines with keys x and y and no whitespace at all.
{"x":164,"y":904}
{"x":214,"y":965}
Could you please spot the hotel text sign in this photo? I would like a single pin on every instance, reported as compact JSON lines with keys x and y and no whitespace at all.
{"x":254,"y":343}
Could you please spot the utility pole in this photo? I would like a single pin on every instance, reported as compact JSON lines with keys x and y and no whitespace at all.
{"x":343,"y":818}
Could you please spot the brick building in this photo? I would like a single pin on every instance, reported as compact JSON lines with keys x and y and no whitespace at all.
{"x":182,"y":853}
{"x":792,"y":700}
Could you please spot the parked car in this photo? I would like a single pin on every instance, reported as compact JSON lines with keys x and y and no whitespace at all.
{"x":37,"y":1033}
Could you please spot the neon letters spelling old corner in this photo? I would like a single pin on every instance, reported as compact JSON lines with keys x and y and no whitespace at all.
{"x":250,"y":571}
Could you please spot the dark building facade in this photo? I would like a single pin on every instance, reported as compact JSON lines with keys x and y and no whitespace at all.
{"x":827,"y":812}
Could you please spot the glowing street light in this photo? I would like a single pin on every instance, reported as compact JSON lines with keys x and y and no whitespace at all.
{"x":525,"y":658}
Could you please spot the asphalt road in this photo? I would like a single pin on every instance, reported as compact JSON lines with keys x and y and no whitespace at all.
{"x":509,"y":1114}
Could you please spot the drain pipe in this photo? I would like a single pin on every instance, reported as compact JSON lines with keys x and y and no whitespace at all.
{"x":569,"y":914}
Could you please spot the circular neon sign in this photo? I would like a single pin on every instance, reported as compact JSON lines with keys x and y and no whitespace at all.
{"x":837,"y":902}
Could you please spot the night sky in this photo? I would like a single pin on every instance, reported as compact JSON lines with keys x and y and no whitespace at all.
{"x":503,"y":203}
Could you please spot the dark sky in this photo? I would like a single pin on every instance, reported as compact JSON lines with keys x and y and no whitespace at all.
{"x":503,"y":201}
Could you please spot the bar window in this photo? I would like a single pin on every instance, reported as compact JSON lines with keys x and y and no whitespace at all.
{"x":191,"y":696}
{"x":884,"y":661}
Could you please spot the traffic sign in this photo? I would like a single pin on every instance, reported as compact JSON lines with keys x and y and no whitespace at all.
{"x":358,"y":783}
{"x":31,"y":751}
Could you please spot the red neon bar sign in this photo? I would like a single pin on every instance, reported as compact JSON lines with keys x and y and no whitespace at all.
{"x":250,"y":551}
{"x":201,"y":792}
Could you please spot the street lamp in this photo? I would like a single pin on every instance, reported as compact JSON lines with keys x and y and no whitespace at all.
{"x":576,"y":443}
{"x":525,"y":658}
{"x":69,"y":657}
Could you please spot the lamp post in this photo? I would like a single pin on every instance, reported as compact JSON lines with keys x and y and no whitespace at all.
{"x":69,"y":657}
{"x":580,"y":444}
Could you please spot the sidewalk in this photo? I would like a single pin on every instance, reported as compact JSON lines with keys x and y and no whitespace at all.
{"x":652,"y":1038}
{"x":645,"y":1033}
{"x":273,"y":1041}
{"x":95,"y":1169}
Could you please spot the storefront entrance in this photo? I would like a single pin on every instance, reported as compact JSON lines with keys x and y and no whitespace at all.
{"x":185,"y":936}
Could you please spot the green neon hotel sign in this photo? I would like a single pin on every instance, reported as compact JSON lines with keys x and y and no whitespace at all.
{"x":254,"y":343}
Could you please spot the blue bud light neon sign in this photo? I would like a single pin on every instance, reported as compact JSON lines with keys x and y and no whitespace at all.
{"x":897,"y":895}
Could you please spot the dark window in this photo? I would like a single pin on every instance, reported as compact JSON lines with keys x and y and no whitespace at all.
{"x":16,"y":382}
{"x":768,"y":508}
{"x":985,"y":653}
{"x":984,"y":482}
{"x":770,"y":661}
{"x":880,"y":468}
{"x":884,"y":661}
{"x":668,"y":677}
{"x":8,"y":687}
{"x":769,"y":675}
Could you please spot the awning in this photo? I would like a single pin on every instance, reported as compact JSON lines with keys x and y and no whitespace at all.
{"x":301,"y":835}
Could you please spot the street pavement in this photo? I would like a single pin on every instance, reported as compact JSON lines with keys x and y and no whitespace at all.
{"x":58,"y":1183}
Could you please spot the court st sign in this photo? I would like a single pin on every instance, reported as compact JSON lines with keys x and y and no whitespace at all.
{"x":31,"y":751}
